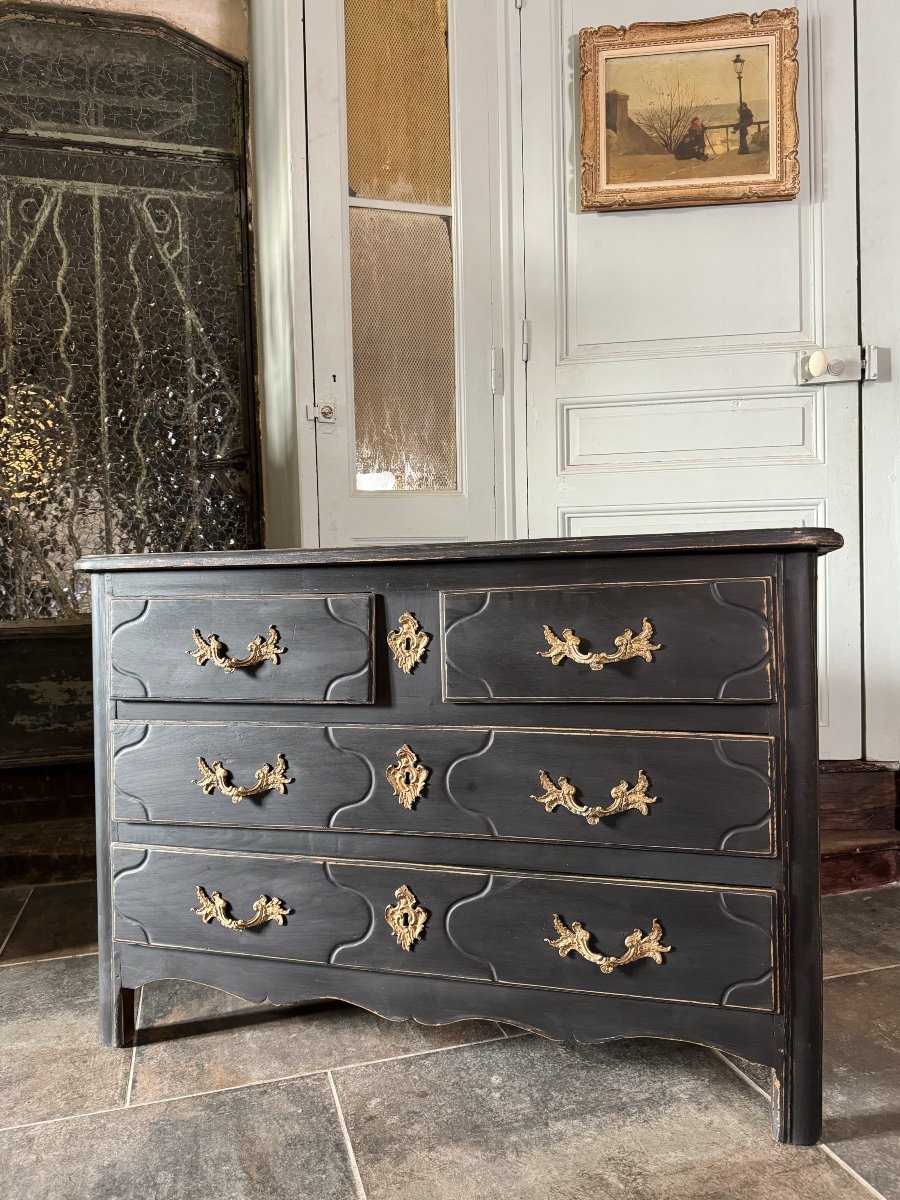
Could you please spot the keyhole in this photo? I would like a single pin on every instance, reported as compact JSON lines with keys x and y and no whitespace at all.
{"x":407,"y":778}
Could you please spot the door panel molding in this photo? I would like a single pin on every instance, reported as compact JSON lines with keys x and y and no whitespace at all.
{"x":708,"y":430}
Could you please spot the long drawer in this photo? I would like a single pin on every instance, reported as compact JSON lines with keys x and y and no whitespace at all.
{"x":314,"y":649}
{"x":701,"y":945}
{"x":712,"y":792}
{"x":703,"y":641}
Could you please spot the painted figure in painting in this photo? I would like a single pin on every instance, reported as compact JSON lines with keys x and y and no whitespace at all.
{"x":693,"y":143}
{"x":745,"y":120}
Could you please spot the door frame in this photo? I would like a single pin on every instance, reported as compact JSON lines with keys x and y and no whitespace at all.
{"x":280,"y":182}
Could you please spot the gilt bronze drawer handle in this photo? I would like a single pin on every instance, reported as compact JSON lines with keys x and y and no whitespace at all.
{"x":407,"y":776}
{"x":259,"y":650}
{"x":624,"y":797}
{"x":212,"y":908}
{"x":268,"y":779}
{"x":405,"y":918}
{"x":638,"y":945}
{"x":408,"y":643}
{"x":629,"y":645}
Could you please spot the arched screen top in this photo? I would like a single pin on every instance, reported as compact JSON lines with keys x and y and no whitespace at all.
{"x":123,"y":83}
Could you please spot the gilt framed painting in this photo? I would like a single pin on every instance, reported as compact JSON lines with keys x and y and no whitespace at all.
{"x":687,"y":113}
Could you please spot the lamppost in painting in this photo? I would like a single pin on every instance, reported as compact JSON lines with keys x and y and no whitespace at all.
{"x":744,"y":113}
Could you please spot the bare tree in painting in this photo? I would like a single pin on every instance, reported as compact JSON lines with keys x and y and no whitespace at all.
{"x":670,"y":105}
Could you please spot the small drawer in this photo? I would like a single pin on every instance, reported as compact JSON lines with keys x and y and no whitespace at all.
{"x":700,"y":945}
{"x":695,"y":642}
{"x":301,"y":649}
{"x":674,"y":791}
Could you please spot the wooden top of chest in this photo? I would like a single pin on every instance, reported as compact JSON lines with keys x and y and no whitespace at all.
{"x":821,"y":540}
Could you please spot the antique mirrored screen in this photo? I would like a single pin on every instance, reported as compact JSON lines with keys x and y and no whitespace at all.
{"x":401,"y":245}
{"x":126,"y":419}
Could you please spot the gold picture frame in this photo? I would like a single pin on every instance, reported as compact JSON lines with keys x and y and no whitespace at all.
{"x":655,"y":103}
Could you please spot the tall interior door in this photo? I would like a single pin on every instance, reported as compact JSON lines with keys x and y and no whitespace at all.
{"x":398,"y":100}
{"x":661,"y":381}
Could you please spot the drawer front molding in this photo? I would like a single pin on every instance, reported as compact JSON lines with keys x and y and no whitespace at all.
{"x":465,"y":924}
{"x":318,"y":651}
{"x":675,"y":791}
{"x":714,"y":643}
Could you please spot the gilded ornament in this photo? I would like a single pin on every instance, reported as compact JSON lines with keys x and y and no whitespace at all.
{"x":628,"y":645}
{"x":212,"y":650}
{"x":405,"y":918}
{"x":268,"y":779}
{"x":407,"y":776}
{"x":408,"y":643}
{"x":213,"y":908}
{"x":624,"y":797}
{"x":637,"y":945}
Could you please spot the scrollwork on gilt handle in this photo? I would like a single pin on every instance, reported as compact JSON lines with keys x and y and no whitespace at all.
{"x":214,"y":908}
{"x":637,"y":945}
{"x":212,"y":650}
{"x":628,"y":645}
{"x":624,"y":796}
{"x":268,"y":779}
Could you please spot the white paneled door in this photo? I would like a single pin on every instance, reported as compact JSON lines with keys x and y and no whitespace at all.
{"x":661,"y":389}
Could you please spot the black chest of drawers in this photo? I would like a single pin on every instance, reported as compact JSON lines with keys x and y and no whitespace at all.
{"x":568,"y":784}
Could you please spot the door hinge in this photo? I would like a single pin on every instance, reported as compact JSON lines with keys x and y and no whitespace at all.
{"x":325,"y":414}
{"x":837,"y":364}
{"x":526,"y":341}
{"x":496,"y":370}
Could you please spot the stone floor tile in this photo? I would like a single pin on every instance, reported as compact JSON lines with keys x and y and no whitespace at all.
{"x":277,"y":1142}
{"x":11,"y":901}
{"x":861,"y":930}
{"x":59,"y":919}
{"x":642,"y":1120}
{"x":862,"y":1075}
{"x":196,"y":1039}
{"x":51,"y":1064}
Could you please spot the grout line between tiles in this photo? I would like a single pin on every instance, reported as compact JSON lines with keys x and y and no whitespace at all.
{"x":742,"y":1075}
{"x":862,"y":971}
{"x":29,"y":962}
{"x":237,"y":1087}
{"x":853,"y":1174}
{"x":16,"y":920}
{"x":134,"y":1048}
{"x":348,"y":1145}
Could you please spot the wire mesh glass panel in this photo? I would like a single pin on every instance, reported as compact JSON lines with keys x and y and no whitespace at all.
{"x":398,"y":108}
{"x":125,"y":389}
{"x":404,"y":390}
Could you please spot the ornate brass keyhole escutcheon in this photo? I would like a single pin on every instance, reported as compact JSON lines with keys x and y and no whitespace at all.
{"x":637,"y":945}
{"x":407,"y":776}
{"x":408,"y":643}
{"x":628,"y":645}
{"x":212,"y":650}
{"x":268,"y":779}
{"x":406,"y":918}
